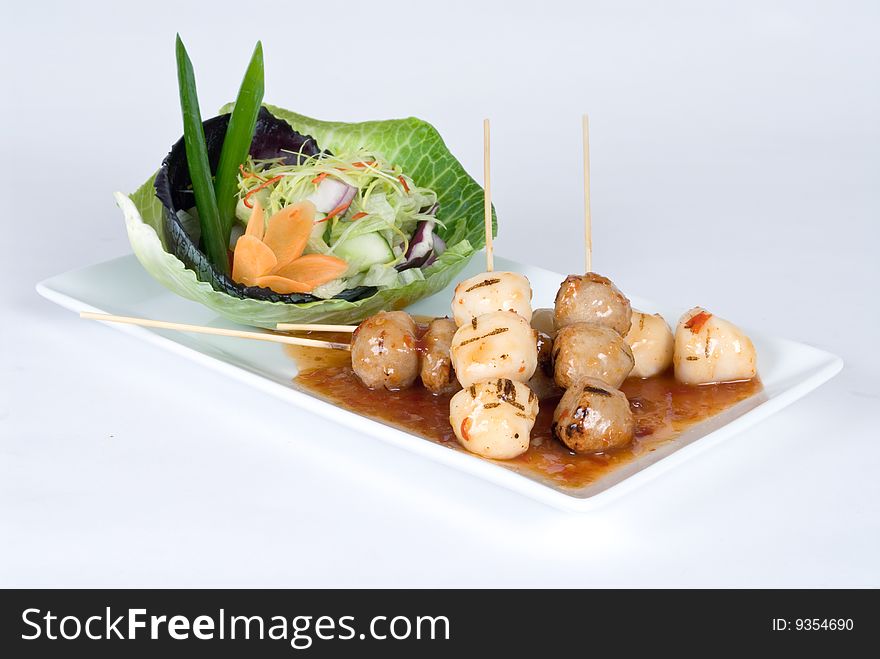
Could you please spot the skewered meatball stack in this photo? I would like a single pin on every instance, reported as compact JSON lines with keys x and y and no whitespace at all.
{"x":590,"y":360}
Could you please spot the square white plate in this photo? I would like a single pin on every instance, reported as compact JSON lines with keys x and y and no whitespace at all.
{"x":788,"y":370}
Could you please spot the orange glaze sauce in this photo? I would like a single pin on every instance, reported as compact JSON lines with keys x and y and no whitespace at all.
{"x":663,"y":408}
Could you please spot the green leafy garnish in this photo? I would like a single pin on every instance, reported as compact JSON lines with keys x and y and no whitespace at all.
{"x":238,"y":138}
{"x":215,"y":241}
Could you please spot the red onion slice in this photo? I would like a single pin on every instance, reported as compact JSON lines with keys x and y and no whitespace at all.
{"x":332,"y":193}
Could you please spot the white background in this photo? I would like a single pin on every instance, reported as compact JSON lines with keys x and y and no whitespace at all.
{"x":735,"y":165}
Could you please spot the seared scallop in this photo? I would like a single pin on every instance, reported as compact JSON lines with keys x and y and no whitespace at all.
{"x":651,"y":342}
{"x":585,"y":350}
{"x":709,"y":349}
{"x":384,"y":351}
{"x":492,"y":291}
{"x":592,"y":298}
{"x":592,"y":417}
{"x":494,"y":417}
{"x":542,"y":321}
{"x":542,"y":381}
{"x":500,"y":344}
{"x":438,"y":375}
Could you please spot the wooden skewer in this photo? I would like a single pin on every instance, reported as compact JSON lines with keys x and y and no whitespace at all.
{"x":487,"y":199}
{"x":588,"y":220}
{"x":218,"y":331}
{"x":314,"y":327}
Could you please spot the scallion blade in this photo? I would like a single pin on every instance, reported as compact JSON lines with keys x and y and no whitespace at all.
{"x":238,"y":138}
{"x":215,"y":241}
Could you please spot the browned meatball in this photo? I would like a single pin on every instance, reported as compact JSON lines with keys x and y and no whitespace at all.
{"x":593,"y":417}
{"x":438,"y":376}
{"x":588,"y":350}
{"x":592,"y":298}
{"x":384,"y":351}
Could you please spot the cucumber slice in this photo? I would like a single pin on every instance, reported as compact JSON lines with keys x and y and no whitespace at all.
{"x":363,"y":251}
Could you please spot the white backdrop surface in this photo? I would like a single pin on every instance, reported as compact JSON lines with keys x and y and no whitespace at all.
{"x":735,"y":151}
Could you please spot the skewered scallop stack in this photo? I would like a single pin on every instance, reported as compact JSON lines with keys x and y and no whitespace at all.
{"x":494,"y":354}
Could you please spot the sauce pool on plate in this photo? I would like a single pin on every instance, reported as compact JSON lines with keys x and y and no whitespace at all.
{"x":662,"y":407}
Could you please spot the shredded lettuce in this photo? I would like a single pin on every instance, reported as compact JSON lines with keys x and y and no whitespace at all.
{"x":387,"y":201}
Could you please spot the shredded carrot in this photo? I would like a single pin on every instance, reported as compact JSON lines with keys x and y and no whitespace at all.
{"x":696,"y":323}
{"x":336,"y":211}
{"x":364,"y":164}
{"x":247,"y":197}
{"x":246,"y":174}
{"x":320,"y":177}
{"x":403,"y":183}
{"x":358,"y":216}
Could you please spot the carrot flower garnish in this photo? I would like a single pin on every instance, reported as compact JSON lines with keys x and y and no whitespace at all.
{"x":270,"y":254}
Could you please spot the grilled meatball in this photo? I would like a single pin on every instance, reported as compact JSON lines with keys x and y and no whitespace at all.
{"x":492,"y":291}
{"x":494,"y":417}
{"x":438,"y":376}
{"x":593,"y":417}
{"x":592,"y":298}
{"x":710,"y":349}
{"x":587,"y":350}
{"x":384,"y":351}
{"x":650,"y":340}
{"x":496,"y":345}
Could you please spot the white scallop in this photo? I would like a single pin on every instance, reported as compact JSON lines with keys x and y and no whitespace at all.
{"x":651,"y":342}
{"x":494,"y":417}
{"x":500,"y":344}
{"x":712,"y":351}
{"x":542,"y":320}
{"x":492,"y":291}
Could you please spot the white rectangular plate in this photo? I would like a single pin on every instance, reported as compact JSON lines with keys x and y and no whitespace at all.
{"x":788,"y":370}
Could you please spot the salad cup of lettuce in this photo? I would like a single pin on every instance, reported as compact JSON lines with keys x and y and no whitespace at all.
{"x":268,"y":216}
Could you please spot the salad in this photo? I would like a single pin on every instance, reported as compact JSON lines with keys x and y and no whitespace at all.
{"x":266,"y":216}
{"x":367,"y":213}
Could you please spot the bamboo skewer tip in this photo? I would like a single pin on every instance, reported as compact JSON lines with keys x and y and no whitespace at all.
{"x":314,"y":327}
{"x":487,"y":199}
{"x":588,"y":220}
{"x":215,"y":331}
